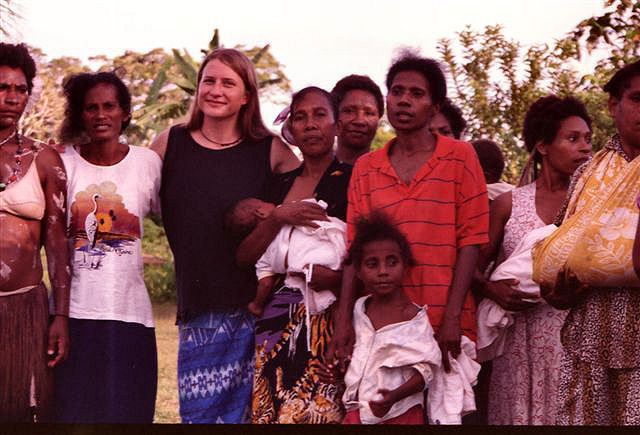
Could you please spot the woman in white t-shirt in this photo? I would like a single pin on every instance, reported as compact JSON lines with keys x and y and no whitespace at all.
{"x":111,"y":373}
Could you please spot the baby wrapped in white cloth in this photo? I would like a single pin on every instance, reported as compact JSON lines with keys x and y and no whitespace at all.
{"x":493,"y":320}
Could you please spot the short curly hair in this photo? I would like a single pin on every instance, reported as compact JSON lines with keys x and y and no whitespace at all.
{"x":544,"y":117}
{"x":17,"y":56}
{"x":621,"y":80}
{"x":453,"y":114}
{"x":429,"y":68}
{"x":375,"y":227}
{"x":353,"y":82}
{"x":75,"y":90}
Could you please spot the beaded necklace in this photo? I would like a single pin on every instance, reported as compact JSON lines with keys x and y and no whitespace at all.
{"x":18,"y":160}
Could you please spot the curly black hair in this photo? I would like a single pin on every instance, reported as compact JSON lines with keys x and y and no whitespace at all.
{"x":75,"y":90}
{"x":621,"y":80}
{"x":17,"y":56}
{"x":354,"y":81}
{"x":429,"y":68}
{"x":377,"y":226}
{"x":544,"y":117}
{"x":491,"y":159}
{"x":454,"y":116}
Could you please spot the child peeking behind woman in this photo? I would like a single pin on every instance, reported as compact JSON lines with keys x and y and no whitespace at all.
{"x":395,"y":352}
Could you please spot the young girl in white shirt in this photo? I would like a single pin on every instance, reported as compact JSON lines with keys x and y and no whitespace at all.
{"x":395,"y":351}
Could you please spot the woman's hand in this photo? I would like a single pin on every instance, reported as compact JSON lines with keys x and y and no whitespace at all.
{"x":302,"y":213}
{"x":567,"y":291}
{"x":341,"y":346}
{"x":380,"y":407}
{"x":448,"y":338}
{"x":505,"y":294}
{"x":58,"y":341}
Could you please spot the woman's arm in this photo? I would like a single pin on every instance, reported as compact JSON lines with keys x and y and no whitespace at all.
{"x":499,"y":214}
{"x":502,"y":292}
{"x":159,"y":144}
{"x":282,"y":158}
{"x":54,"y":185}
{"x":414,"y":385}
{"x":301,"y":213}
{"x":448,"y":335}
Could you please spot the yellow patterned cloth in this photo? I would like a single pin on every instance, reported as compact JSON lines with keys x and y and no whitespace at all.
{"x":595,"y":240}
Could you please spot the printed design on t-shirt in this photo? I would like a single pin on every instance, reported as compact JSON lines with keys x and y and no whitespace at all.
{"x":101,"y":225}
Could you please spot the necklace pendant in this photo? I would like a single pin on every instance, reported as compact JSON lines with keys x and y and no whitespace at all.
{"x":2,"y":186}
{"x":12,"y":178}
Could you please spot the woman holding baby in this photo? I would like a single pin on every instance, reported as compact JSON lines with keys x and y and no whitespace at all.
{"x":290,"y":340}
{"x":524,"y":379}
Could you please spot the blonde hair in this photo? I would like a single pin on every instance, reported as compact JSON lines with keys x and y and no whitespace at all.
{"x":249,"y":118}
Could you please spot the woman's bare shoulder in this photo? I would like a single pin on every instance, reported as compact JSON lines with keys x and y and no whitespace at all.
{"x":282,"y":157}
{"x":159,"y":144}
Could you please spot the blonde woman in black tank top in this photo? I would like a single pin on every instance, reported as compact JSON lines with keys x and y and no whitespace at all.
{"x":222,"y":154}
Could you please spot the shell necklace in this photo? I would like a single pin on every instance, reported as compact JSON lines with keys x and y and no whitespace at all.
{"x":18,"y":160}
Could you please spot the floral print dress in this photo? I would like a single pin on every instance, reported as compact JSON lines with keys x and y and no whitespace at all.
{"x":524,"y":379}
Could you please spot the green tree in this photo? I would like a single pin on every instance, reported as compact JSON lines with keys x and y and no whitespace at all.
{"x":495,"y":81}
{"x":491,"y":89}
{"x":617,"y":29}
{"x":46,"y":110}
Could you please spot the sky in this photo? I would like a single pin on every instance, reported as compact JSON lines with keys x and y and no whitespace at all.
{"x":318,"y":42}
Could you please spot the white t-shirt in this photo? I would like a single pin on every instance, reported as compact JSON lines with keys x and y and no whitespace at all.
{"x":105,"y":211}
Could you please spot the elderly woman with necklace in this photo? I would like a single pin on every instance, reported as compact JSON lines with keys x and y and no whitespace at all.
{"x":32,"y":207}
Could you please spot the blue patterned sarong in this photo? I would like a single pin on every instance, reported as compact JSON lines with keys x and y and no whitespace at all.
{"x":215,"y":367}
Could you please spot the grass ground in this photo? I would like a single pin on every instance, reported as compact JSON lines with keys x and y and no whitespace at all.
{"x":167,"y":410}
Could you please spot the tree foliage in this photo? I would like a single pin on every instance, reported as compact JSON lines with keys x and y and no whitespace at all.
{"x":161,"y":86}
{"x":46,"y":106}
{"x":617,"y":29}
{"x":495,"y":80}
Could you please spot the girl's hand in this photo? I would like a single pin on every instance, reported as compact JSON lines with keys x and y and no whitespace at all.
{"x":505,"y":294}
{"x":302,"y":213}
{"x":380,"y":407}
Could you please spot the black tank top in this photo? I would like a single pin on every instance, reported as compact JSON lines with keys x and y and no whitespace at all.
{"x":198,"y":186}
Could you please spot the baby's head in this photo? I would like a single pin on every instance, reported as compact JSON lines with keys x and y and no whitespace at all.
{"x":380,"y":254}
{"x":491,"y":159}
{"x":244,"y":215}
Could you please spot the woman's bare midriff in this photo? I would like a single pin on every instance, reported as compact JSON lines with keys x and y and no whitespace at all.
{"x":20,"y":264}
